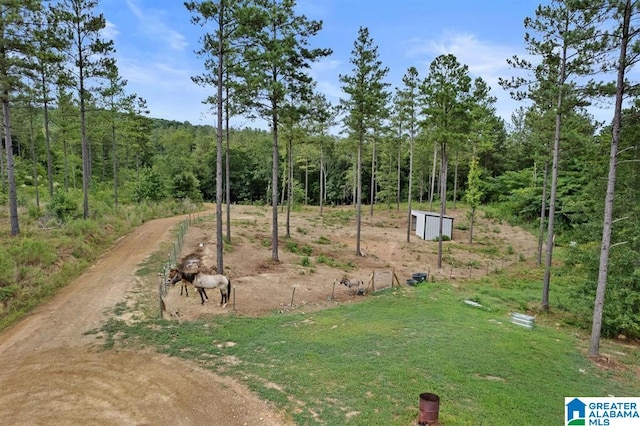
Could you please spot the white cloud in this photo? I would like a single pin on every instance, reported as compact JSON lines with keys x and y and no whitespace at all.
{"x":110,"y":31}
{"x":325,"y":65}
{"x":156,"y":25}
{"x":485,"y":59}
{"x":332,"y":90}
{"x":324,"y":73}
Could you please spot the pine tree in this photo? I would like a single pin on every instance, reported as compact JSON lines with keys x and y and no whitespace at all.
{"x":275,"y":63}
{"x":321,"y":117}
{"x":408,"y":106}
{"x":48,"y":47}
{"x":87,"y":59}
{"x":447,"y":100}
{"x":116,"y":101}
{"x":366,"y":98}
{"x":569,"y":43}
{"x":625,"y":41}
{"x":15,"y":60}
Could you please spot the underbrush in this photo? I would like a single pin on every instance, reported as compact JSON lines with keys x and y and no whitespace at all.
{"x":49,"y":253}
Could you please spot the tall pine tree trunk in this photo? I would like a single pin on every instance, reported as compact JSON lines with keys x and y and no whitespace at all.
{"x":86,"y":159}
{"x":274,"y":187}
{"x":13,"y":196}
{"x":543,"y":211}
{"x":359,"y":196}
{"x":398,"y":177}
{"x":289,"y":182}
{"x":554,"y":184}
{"x":409,"y":189}
{"x":598,"y":308}
{"x":443,"y":197}
{"x":47,"y":134}
{"x":34,"y":160}
{"x":373,"y":177}
{"x":227,"y":166}
{"x":114,"y":148}
{"x":433,"y":177}
{"x":322,"y":180}
{"x":219,"y":116}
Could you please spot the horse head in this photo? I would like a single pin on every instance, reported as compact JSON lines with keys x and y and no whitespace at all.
{"x":174,"y":276}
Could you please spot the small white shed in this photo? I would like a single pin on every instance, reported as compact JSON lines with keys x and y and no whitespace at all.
{"x":427,"y":224}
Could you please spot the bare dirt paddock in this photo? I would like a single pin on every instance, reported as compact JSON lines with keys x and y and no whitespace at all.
{"x":54,"y":371}
{"x":321,"y":250}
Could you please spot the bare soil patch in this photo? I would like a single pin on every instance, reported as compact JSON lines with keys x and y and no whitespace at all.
{"x":321,"y":250}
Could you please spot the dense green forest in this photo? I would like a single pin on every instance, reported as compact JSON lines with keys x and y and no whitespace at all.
{"x":73,"y":135}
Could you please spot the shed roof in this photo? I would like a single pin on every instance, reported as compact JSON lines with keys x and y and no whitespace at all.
{"x":425,"y":213}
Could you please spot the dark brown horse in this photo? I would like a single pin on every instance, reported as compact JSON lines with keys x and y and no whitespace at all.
{"x":184,"y":278}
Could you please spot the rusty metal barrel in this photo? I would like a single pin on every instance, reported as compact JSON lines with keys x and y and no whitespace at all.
{"x":429,"y":409}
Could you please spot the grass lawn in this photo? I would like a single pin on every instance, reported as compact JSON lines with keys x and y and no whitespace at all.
{"x":367,"y":363}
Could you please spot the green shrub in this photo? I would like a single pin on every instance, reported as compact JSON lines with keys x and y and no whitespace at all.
{"x":62,"y":206}
{"x":185,"y":185}
{"x":292,"y":246}
{"x":7,"y":292}
{"x":305,"y":261}
{"x":151,"y":186}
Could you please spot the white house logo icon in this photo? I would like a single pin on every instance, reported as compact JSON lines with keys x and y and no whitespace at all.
{"x":576,"y":414}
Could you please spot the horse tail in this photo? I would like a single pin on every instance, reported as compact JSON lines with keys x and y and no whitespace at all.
{"x":228,"y":288}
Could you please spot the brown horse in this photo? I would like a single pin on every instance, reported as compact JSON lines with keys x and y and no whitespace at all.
{"x":184,"y":278}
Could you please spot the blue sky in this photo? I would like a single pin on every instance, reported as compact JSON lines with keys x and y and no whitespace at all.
{"x":155,"y":43}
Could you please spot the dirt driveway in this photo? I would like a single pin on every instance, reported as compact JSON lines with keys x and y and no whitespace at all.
{"x":53,"y":373}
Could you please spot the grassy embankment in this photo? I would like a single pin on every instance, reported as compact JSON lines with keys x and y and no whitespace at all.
{"x":48,"y":254}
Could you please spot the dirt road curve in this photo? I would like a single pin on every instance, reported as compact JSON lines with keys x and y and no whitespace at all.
{"x":52,"y":373}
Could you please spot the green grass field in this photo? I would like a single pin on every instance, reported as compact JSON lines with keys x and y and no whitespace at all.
{"x":367,"y":363}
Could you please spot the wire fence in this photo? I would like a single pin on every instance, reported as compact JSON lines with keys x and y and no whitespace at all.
{"x":174,"y":254}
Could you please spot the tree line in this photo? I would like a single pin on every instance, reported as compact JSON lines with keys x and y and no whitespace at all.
{"x":69,"y":124}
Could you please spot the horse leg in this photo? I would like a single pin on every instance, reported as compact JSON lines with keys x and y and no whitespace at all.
{"x":225,"y":294}
{"x":203,"y":294}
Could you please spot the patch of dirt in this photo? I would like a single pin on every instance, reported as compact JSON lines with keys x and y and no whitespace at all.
{"x":301,"y":280}
{"x":55,"y":372}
